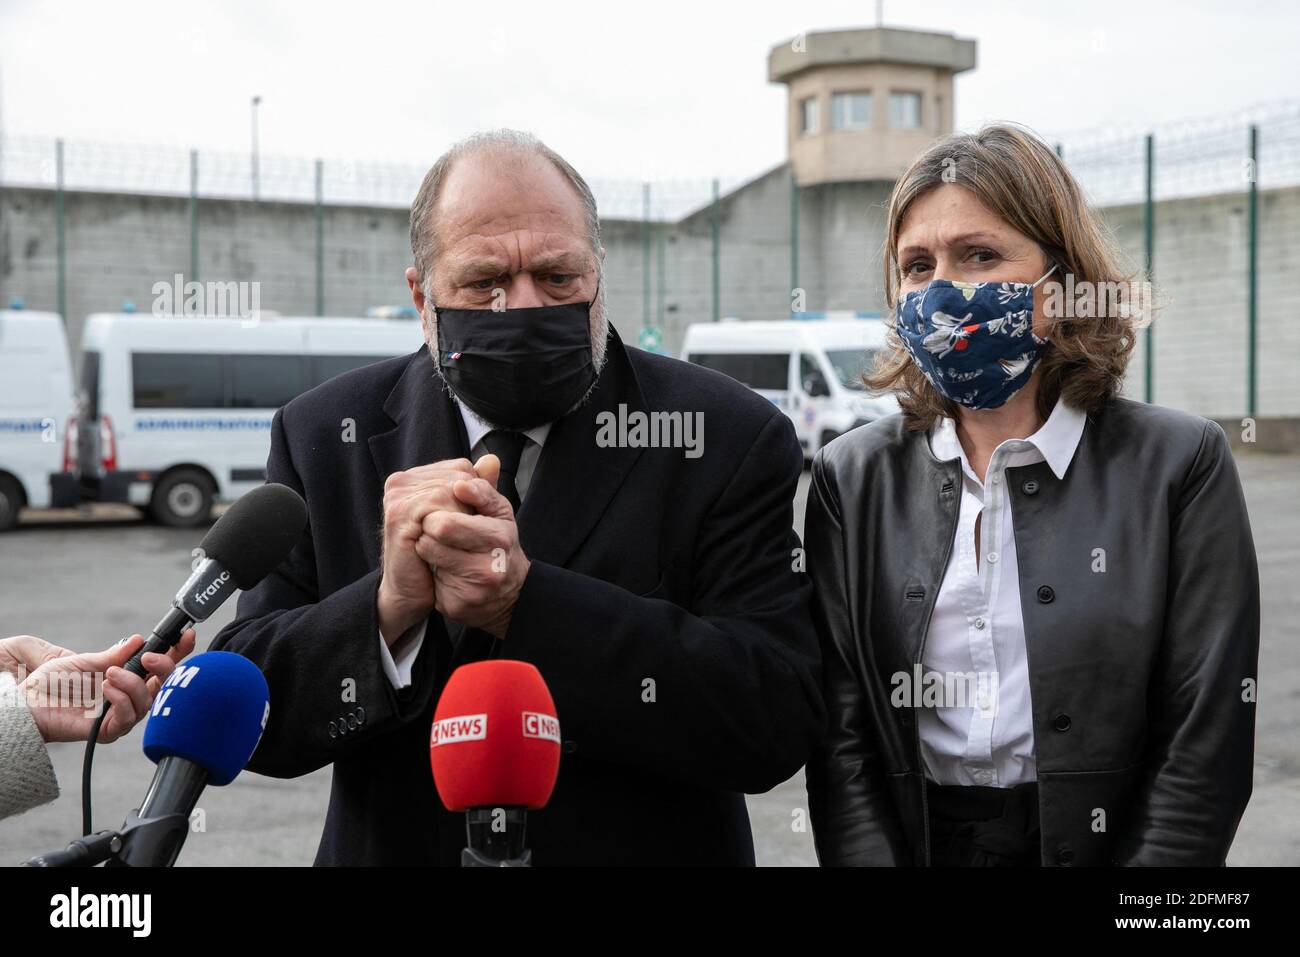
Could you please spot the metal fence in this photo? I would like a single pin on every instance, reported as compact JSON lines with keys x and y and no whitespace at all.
{"x":343,"y":246}
{"x":47,"y":162}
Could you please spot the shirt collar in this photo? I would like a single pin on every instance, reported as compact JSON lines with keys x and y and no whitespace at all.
{"x":1056,"y":440}
{"x":476,"y":428}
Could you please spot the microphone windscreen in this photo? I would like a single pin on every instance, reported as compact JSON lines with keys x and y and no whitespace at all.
{"x":211,"y":710}
{"x":256,"y":533}
{"x":496,"y":738}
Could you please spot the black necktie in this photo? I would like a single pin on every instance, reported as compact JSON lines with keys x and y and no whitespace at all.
{"x":508,"y":446}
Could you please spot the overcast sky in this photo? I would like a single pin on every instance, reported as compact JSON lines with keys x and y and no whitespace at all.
{"x":624,"y":90}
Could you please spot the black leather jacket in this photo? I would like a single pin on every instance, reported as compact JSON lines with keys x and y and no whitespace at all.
{"x":1141,"y":677}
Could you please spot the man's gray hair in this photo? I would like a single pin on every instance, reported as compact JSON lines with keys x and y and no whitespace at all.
{"x":500,"y":142}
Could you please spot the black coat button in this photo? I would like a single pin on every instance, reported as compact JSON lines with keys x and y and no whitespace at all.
{"x":1061,"y":722}
{"x":1045,"y":594}
{"x":361,"y":715}
{"x":334,"y":731}
{"x":352,"y":722}
{"x":569,"y":747}
{"x":1065,"y":857}
{"x":1030,"y":487}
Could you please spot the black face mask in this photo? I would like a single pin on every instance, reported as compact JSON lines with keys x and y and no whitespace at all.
{"x":517,"y":368}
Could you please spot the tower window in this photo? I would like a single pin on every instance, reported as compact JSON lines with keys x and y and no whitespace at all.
{"x":808,"y":116}
{"x":905,"y":111}
{"x":851,"y":111}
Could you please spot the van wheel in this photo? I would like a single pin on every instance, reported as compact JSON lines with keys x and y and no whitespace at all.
{"x":11,"y":500}
{"x":182,"y":499}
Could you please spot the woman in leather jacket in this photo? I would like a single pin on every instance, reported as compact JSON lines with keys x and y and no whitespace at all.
{"x":1038,"y":601}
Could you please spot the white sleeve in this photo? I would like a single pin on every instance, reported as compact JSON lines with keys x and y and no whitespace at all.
{"x":399,"y":660}
{"x":26,"y":775}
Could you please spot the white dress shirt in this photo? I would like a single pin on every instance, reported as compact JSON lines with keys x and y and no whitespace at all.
{"x":400,"y":659}
{"x":978,"y":627}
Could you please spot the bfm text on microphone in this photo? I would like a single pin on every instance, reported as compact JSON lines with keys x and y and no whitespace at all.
{"x":495,"y":753}
{"x":204,"y":726}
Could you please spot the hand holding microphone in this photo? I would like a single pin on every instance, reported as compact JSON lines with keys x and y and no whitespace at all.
{"x":62,"y":688}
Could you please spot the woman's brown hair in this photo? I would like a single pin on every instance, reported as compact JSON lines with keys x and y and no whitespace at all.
{"x":1022,"y":181}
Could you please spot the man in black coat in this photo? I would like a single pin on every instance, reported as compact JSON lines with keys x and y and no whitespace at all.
{"x":529,"y":488}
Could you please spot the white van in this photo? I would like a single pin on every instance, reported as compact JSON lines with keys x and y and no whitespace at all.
{"x":176,"y":410}
{"x":36,"y":415}
{"x":808,"y":368}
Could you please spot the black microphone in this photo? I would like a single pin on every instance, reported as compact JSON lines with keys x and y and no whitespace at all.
{"x":246,"y":543}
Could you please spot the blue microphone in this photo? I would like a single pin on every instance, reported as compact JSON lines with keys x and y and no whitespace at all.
{"x":203,"y":728}
{"x":211,"y":711}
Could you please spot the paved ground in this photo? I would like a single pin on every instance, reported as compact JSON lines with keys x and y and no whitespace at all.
{"x":84,"y":581}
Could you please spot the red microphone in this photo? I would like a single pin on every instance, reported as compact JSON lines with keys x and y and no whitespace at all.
{"x":495,"y":753}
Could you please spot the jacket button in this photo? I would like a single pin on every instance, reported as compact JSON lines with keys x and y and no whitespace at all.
{"x":1061,"y":722}
{"x":1065,"y":857}
{"x":568,"y":747}
{"x":1030,"y":487}
{"x":352,"y":722}
{"x":361,"y":715}
{"x":1045,"y":594}
{"x":334,"y":731}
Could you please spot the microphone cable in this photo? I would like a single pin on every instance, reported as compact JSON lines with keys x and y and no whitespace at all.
{"x":86,"y":764}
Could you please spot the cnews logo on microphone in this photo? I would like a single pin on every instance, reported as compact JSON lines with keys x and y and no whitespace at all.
{"x":469,"y":727}
{"x":545,"y":726}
